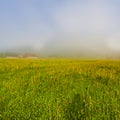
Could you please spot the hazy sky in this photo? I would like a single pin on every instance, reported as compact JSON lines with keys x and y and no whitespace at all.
{"x":60,"y":25}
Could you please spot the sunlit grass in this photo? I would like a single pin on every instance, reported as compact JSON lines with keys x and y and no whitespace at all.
{"x":59,"y":89}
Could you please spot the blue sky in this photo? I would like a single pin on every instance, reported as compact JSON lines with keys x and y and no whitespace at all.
{"x":60,"y":24}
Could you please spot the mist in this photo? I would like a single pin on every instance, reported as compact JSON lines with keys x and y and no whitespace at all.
{"x":73,"y":28}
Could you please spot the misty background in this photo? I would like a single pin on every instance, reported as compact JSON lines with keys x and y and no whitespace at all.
{"x":61,"y":27}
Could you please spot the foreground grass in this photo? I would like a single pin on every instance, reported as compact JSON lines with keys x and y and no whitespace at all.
{"x":59,"y":89}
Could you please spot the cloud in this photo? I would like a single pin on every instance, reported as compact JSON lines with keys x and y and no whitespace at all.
{"x":84,"y":26}
{"x":88,"y":17}
{"x":68,"y":27}
{"x":114,"y":41}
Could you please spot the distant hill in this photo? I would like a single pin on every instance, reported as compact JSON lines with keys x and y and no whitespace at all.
{"x":28,"y":51}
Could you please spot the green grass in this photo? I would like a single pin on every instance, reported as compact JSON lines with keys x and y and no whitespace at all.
{"x":59,"y":89}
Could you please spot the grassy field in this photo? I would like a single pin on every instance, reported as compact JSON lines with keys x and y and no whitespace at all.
{"x":59,"y":89}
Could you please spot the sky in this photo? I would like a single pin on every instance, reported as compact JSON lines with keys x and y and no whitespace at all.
{"x":61,"y":26}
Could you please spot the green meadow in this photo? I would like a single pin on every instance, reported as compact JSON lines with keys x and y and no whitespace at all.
{"x":59,"y":89}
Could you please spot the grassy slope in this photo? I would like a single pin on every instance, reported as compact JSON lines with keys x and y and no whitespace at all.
{"x":60,"y":89}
